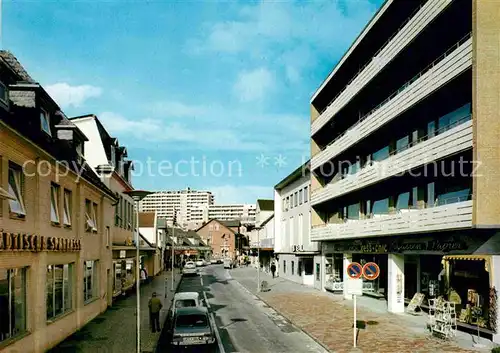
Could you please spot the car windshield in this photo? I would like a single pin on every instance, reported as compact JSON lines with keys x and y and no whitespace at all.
{"x":194,"y":320}
{"x":185,"y":303}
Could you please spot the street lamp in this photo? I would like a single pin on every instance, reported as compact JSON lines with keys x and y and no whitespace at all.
{"x":258,"y":260}
{"x":138,"y":195}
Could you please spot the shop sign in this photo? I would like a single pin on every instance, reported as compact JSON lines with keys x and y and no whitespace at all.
{"x":398,"y":246}
{"x":25,"y":242}
{"x":297,"y":248}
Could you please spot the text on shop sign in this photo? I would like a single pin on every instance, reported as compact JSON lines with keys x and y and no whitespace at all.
{"x":25,"y":242}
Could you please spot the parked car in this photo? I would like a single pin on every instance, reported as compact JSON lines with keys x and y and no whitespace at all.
{"x":213,"y":261}
{"x":189,"y":268}
{"x":186,"y":300}
{"x":192,"y":326}
{"x":199,"y":263}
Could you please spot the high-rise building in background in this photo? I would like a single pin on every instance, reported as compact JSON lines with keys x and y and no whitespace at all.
{"x":188,"y":204}
{"x":245,"y":213}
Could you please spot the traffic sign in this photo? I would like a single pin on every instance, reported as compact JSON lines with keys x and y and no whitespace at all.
{"x":354,"y":270}
{"x":371,"y":271}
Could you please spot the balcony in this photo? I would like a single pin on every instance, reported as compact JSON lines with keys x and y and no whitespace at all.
{"x":409,"y":31}
{"x":453,"y":140}
{"x":451,"y":64}
{"x":446,"y":217}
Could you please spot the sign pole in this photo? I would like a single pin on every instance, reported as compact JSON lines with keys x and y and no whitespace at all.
{"x":355,"y":326}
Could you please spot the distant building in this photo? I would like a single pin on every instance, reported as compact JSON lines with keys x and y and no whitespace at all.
{"x":188,"y":204}
{"x":221,"y":237}
{"x":245,"y":213}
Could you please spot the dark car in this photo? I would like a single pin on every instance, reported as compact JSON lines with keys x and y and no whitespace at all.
{"x":191,"y":326}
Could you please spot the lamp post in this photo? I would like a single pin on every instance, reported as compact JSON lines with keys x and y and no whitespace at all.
{"x":258,"y":260}
{"x":138,"y":195}
{"x":173,"y":253}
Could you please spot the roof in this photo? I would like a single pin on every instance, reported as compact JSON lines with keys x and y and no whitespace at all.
{"x":231,"y":223}
{"x":298,"y":173}
{"x":15,"y":65}
{"x":187,"y":295}
{"x":353,"y":46}
{"x":147,"y":219}
{"x":266,"y":205}
{"x":267,"y":220}
{"x":220,"y":222}
{"x":192,"y":310}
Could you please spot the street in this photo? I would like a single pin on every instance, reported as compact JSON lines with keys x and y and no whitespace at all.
{"x":244,"y":323}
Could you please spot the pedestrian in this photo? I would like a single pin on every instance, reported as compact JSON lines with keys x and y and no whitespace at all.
{"x":155,"y":306}
{"x":273,"y":269}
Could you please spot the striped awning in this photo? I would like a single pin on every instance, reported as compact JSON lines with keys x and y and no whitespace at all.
{"x":485,"y":258}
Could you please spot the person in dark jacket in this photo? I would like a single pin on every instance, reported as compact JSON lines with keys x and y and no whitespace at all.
{"x":273,"y":270}
{"x":155,"y":306}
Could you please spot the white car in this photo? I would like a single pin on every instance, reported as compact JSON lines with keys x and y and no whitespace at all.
{"x":213,"y":261}
{"x":186,"y":299}
{"x":228,"y":263}
{"x":189,"y":268}
{"x":200,"y":263}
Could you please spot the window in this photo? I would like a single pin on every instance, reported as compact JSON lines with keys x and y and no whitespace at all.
{"x":59,"y":290}
{"x":431,"y":129}
{"x":284,"y":266}
{"x":90,"y":216}
{"x":293,"y":268}
{"x":288,"y":202}
{"x":90,"y":280}
{"x":45,"y":121}
{"x":284,"y":204}
{"x":403,"y":201}
{"x":431,"y":199}
{"x":402,"y":144}
{"x":107,"y":237}
{"x":299,"y":269}
{"x":54,"y":203}
{"x":67,"y":208}
{"x":16,"y":189}
{"x":296,"y":198}
{"x":318,"y":273}
{"x":12,"y":302}
{"x":353,"y":211}
{"x":300,"y":196}
{"x":4,"y":97}
{"x":192,"y":321}
{"x":306,"y":194}
{"x":308,"y":267}
{"x":380,"y":206}
{"x":454,"y":118}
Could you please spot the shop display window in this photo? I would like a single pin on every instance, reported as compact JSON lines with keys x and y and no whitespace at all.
{"x":12,"y":302}
{"x":59,"y":290}
{"x":90,"y":280}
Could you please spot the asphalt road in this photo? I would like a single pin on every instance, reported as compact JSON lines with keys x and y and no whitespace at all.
{"x":244,"y":323}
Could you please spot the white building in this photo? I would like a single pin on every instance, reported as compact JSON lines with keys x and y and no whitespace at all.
{"x":188,"y":204}
{"x":292,"y":243}
{"x":245,"y":213}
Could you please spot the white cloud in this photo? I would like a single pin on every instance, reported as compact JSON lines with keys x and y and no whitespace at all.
{"x":66,"y":95}
{"x":273,"y":29}
{"x":253,"y":85}
{"x":241,"y":194}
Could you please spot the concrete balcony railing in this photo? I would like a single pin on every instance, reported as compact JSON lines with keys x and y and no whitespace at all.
{"x":447,"y":143}
{"x":407,"y":33}
{"x":440,"y":72}
{"x":446,"y":217}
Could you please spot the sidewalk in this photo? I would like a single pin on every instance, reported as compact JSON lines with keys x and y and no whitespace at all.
{"x":114,"y":331}
{"x":328,"y":319}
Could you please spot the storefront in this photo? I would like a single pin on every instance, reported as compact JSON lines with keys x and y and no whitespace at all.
{"x":437,"y":266}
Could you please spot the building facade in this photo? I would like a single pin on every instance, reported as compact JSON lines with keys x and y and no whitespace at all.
{"x":293,"y":248}
{"x":245,"y":213}
{"x":220,"y":238}
{"x":108,"y":160}
{"x":55,"y":254}
{"x":188,"y":204}
{"x":404,"y":166}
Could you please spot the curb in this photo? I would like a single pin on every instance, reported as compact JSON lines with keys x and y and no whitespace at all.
{"x":259,"y":297}
{"x":169,"y":307}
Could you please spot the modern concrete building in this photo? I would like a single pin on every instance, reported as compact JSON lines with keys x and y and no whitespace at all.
{"x":404,"y":142}
{"x":188,"y":204}
{"x":245,"y":213}
{"x":56,"y":220}
{"x":293,"y":248}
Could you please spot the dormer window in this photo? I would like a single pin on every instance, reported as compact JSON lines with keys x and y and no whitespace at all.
{"x":45,"y":121}
{"x":4,"y":97}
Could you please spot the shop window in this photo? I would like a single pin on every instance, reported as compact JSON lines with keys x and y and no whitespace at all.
{"x":16,"y":189}
{"x":59,"y":290}
{"x":318,"y":274}
{"x":67,"y":208}
{"x":54,"y":203}
{"x":293,"y":268}
{"x":90,"y":280}
{"x":12,"y":302}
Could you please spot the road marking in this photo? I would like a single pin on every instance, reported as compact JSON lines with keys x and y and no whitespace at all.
{"x":217,"y":334}
{"x":206,"y":299}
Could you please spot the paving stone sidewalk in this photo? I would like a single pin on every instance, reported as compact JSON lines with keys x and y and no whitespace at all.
{"x":114,"y":331}
{"x":329,"y":320}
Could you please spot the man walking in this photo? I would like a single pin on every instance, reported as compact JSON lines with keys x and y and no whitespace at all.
{"x":273,"y":269}
{"x":155,"y":306}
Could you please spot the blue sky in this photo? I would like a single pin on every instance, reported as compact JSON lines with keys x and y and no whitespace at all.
{"x":185,"y":84}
